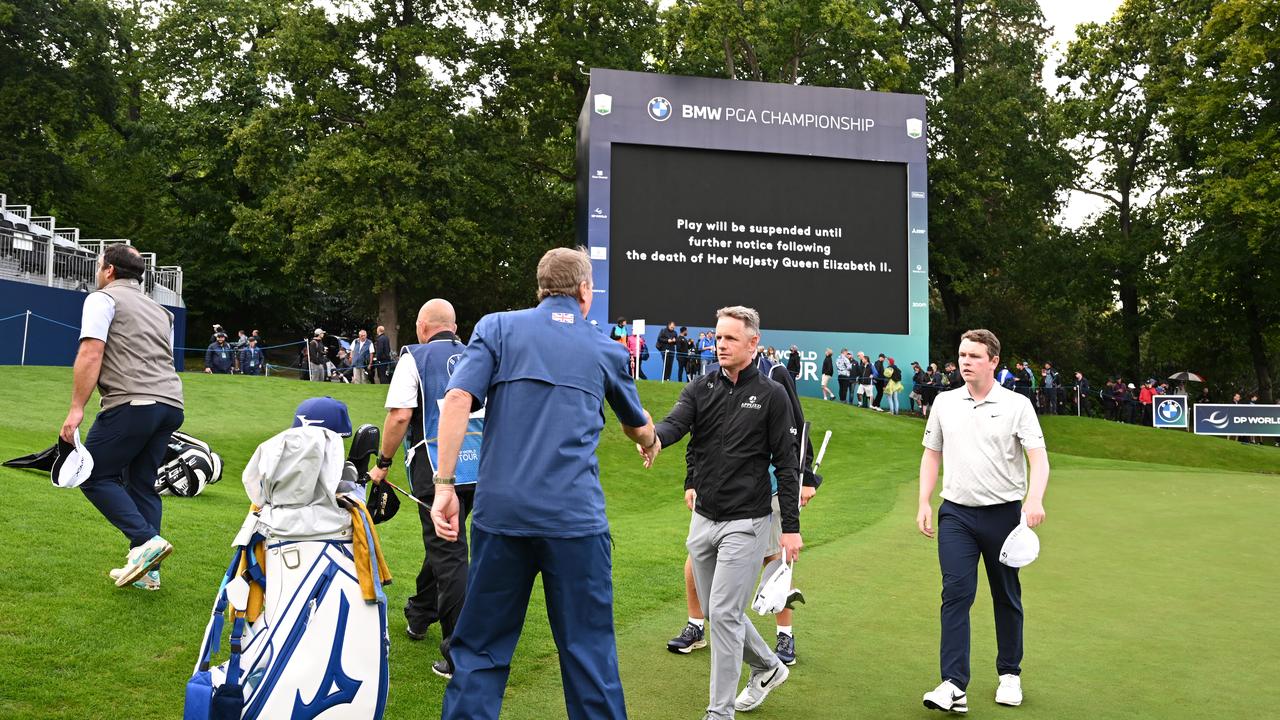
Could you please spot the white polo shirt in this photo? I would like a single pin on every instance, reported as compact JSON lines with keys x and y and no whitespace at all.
{"x":983,"y":444}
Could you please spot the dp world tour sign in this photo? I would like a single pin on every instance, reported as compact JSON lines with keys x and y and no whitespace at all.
{"x":807,"y":203}
{"x":1227,"y":419}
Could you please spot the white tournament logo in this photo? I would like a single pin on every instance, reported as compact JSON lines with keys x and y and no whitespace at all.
{"x":604,"y":104}
{"x":915,"y":128}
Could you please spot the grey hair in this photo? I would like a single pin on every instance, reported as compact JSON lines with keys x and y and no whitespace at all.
{"x":749,"y":317}
{"x":561,"y":271}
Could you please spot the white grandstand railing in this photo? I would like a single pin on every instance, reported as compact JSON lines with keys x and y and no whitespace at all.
{"x":37,"y":251}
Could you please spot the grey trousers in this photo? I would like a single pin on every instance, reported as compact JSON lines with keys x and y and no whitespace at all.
{"x":726,"y":564}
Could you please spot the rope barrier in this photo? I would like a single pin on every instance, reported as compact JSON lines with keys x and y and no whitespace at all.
{"x":13,"y":317}
{"x":55,"y":322}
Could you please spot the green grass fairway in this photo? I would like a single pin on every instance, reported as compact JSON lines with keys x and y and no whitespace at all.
{"x":1154,"y":596}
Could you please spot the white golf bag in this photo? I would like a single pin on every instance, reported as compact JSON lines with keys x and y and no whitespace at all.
{"x":305,"y":643}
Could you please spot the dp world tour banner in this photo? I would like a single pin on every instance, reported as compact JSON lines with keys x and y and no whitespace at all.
{"x":806,"y":203}
{"x":1230,"y":419}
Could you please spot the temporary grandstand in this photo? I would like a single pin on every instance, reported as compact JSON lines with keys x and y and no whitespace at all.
{"x":33,"y":249}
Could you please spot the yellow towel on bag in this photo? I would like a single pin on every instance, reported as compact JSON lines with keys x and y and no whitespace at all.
{"x":364,"y":555}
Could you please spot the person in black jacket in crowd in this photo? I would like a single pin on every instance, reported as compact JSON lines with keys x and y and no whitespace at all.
{"x":828,"y":369}
{"x":879,"y":380}
{"x":793,"y":363}
{"x":382,"y":356}
{"x":684,"y":353}
{"x":741,"y":424}
{"x":667,"y":348}
{"x":1082,"y":395}
{"x":866,"y":376}
{"x":1022,"y":383}
{"x":219,"y":357}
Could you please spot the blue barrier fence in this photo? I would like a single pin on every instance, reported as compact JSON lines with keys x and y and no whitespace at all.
{"x":41,"y":325}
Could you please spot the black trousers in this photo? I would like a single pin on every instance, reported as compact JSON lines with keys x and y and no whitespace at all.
{"x":879,"y":393}
{"x":442,"y":582}
{"x":668,"y":357}
{"x":964,"y":534}
{"x":844,"y":382}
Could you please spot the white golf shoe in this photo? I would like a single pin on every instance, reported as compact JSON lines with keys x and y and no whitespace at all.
{"x":948,"y":698}
{"x":1010,"y":690}
{"x":759,"y":685}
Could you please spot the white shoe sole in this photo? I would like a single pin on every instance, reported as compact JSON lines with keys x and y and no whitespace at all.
{"x":137,"y":571}
{"x":959,"y":709}
{"x":1009,"y":703}
{"x":686,"y":650}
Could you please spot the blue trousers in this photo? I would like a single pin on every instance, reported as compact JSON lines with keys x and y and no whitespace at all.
{"x":127,"y":444}
{"x":964,"y":534}
{"x":577,"y":579}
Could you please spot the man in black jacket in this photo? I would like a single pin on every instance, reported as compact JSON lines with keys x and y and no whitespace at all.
{"x":742,"y":423}
{"x":793,"y":362}
{"x":667,"y":348}
{"x":879,"y":380}
{"x":382,"y":356}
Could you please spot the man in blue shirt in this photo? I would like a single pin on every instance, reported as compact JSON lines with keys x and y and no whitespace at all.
{"x":542,"y":375}
{"x":413,"y":415}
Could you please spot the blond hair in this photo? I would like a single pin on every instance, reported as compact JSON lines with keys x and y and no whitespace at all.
{"x":749,"y":317}
{"x":561,"y":271}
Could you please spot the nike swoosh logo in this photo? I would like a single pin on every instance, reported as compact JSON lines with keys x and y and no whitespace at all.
{"x":766,"y":681}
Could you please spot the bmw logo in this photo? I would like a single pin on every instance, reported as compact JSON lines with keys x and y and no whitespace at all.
{"x":1170,"y":411}
{"x":660,"y":109}
{"x":452,"y":362}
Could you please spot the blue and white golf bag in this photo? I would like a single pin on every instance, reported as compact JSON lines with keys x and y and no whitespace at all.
{"x":305,"y":644}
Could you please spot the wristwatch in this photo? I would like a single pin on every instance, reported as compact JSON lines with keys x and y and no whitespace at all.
{"x":384,"y":462}
{"x":436,"y":479}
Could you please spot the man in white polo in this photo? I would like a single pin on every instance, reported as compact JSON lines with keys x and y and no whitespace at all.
{"x":980,"y":432}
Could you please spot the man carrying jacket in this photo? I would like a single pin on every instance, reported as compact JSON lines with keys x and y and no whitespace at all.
{"x":742,"y":423}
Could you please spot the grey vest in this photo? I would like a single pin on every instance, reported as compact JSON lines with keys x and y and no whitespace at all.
{"x":138,"y":361}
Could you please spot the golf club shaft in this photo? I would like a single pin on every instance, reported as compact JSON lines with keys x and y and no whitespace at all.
{"x":402,"y":492}
{"x":822,"y":451}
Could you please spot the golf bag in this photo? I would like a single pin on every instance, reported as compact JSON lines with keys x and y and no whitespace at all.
{"x":307,"y":641}
{"x":189,"y":465}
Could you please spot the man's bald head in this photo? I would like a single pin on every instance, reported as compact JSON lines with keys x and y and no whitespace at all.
{"x":434,"y":316}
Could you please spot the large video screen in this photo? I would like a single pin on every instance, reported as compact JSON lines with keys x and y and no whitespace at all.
{"x":812,"y":243}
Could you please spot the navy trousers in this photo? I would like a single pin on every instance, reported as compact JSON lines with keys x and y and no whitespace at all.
{"x":964,"y":533}
{"x":127,"y":444}
{"x":577,"y":579}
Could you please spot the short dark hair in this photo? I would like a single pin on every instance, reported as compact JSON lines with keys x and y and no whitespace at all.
{"x":128,"y":263}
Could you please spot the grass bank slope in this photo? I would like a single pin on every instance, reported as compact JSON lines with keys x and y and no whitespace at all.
{"x":1152,"y":597}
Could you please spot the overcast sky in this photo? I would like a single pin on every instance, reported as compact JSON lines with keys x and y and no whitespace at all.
{"x":1063,"y":16}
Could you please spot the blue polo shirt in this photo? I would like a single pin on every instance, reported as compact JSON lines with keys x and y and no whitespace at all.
{"x":543,"y":375}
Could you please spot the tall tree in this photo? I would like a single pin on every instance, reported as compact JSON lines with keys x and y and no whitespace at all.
{"x":56,"y":81}
{"x":996,"y":164}
{"x":833,"y":43}
{"x":1227,"y":121}
{"x":1114,"y":102}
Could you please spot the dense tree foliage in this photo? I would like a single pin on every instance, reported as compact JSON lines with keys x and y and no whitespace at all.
{"x":339,"y":162}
